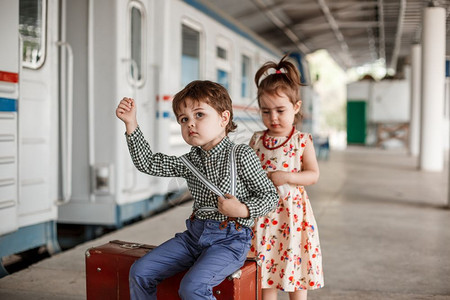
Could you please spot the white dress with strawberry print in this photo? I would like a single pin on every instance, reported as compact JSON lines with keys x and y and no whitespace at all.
{"x":287,"y":240}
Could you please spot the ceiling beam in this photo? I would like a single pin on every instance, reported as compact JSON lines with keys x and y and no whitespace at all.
{"x":352,"y":4}
{"x":382,"y":38}
{"x":398,"y":35}
{"x":290,"y":6}
{"x":341,"y":24}
{"x":335,"y":27}
{"x":353,"y":13}
{"x":322,"y":41}
{"x":281,"y":25}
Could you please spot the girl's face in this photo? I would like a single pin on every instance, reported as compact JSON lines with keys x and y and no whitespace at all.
{"x":201,"y":125}
{"x":278,"y":113}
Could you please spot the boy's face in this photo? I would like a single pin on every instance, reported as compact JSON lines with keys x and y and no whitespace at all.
{"x":201,"y":125}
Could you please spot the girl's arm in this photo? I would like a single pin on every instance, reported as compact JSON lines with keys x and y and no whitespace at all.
{"x":309,"y":174}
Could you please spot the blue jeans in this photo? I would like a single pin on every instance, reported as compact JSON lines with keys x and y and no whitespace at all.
{"x":209,"y":253}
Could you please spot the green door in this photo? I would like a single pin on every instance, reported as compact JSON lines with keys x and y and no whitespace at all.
{"x":356,"y":122}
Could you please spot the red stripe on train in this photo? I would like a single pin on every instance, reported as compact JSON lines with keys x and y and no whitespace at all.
{"x":164,"y":97}
{"x":9,"y":77}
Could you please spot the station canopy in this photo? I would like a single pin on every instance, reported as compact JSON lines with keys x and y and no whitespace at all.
{"x":354,"y":32}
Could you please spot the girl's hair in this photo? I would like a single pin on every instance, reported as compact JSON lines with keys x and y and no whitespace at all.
{"x":211,"y":93}
{"x":285,"y":79}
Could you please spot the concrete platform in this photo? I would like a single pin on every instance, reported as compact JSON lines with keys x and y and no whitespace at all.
{"x":384,"y":230}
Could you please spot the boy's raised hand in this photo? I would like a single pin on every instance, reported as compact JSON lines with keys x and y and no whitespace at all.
{"x":126,"y":111}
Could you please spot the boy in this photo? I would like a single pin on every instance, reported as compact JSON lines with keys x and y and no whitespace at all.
{"x":210,"y":251}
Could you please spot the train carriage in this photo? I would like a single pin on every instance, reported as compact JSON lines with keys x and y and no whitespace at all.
{"x":29,"y":141}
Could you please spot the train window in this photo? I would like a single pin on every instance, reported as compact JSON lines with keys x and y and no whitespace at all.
{"x":137,"y":43}
{"x":136,"y":34}
{"x":223,"y":62}
{"x":223,"y":78}
{"x":221,"y":53}
{"x":190,"y":55}
{"x":245,"y":79}
{"x":32,"y":28}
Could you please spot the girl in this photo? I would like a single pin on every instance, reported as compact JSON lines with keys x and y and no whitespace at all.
{"x":286,"y":240}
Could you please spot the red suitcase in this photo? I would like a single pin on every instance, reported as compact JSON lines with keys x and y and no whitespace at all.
{"x":107,"y":268}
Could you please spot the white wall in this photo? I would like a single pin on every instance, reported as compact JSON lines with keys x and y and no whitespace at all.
{"x":390,"y":101}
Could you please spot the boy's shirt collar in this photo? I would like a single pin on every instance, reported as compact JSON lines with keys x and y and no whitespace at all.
{"x":220,"y":147}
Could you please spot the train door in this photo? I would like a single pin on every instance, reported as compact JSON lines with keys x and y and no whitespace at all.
{"x":9,"y":93}
{"x":137,"y":80}
{"x":111,"y":61}
{"x":38,"y":111}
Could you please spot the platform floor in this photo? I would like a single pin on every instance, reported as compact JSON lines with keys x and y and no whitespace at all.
{"x":384,"y":230}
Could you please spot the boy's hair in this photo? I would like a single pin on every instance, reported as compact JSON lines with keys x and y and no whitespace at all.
{"x":285,"y":79}
{"x":211,"y":93}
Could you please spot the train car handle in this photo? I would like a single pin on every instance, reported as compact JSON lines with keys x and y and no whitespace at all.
{"x":67,"y":127}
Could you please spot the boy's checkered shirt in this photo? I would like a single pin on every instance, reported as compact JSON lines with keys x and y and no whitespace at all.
{"x":253,"y":188}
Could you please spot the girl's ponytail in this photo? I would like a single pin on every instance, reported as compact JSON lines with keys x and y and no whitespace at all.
{"x":290,"y":71}
{"x":263,"y":70}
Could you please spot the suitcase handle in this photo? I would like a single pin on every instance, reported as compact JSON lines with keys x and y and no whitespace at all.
{"x":128,"y":245}
{"x":131,"y":246}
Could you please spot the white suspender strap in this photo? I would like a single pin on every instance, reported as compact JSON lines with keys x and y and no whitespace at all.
{"x":233,"y":173}
{"x":205,"y":180}
{"x":200,"y":176}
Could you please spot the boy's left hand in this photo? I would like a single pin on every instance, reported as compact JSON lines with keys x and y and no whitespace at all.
{"x":232,"y":207}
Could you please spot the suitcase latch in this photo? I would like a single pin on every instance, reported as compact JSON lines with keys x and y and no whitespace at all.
{"x":235,"y":275}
